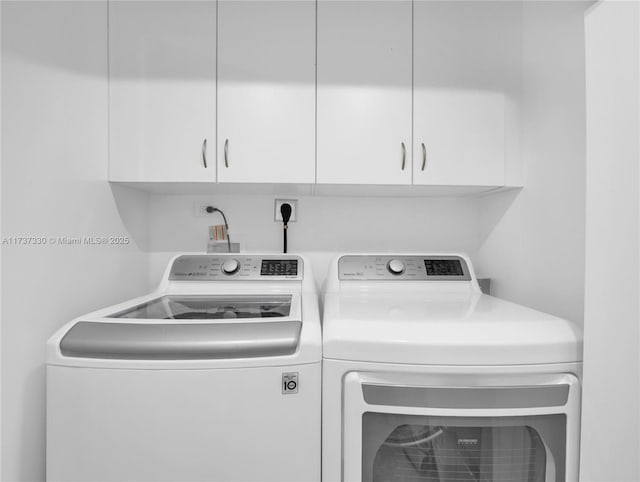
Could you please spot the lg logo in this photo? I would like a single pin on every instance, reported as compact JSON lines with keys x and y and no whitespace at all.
{"x":289,"y":383}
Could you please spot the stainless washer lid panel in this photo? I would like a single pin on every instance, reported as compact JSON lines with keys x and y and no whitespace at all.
{"x":168,"y":341}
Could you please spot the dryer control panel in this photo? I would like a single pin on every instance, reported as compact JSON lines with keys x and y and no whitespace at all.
{"x":403,"y":268}
{"x":203,"y":267}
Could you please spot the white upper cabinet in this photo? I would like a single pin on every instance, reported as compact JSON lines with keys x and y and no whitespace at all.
{"x":461,"y":55}
{"x":162,"y":73}
{"x":459,"y":138}
{"x":423,"y":93}
{"x":266,"y":91}
{"x":364,"y":92}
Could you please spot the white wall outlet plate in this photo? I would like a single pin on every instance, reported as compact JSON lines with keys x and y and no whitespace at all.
{"x":294,"y":209}
{"x":200,"y":209}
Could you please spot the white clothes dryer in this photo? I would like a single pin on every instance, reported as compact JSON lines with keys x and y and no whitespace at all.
{"x":214,"y":376}
{"x":425,"y":378}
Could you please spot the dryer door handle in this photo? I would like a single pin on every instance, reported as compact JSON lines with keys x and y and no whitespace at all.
{"x":467,"y":397}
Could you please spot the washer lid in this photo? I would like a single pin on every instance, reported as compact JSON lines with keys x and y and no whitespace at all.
{"x":209,"y":307}
{"x":455,"y":328}
{"x":184,"y":341}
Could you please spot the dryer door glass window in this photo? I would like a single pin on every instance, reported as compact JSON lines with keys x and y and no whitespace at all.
{"x":184,"y":307}
{"x":403,"y":448}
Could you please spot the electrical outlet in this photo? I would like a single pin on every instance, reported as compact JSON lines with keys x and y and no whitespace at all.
{"x":200,"y":209}
{"x":294,"y":209}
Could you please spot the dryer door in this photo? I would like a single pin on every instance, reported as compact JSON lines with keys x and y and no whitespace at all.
{"x":461,"y":428}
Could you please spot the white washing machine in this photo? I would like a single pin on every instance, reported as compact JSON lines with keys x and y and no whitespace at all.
{"x":427,"y":379}
{"x":215,"y":376}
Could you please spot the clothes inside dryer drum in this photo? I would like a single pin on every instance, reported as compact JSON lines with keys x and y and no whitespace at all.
{"x":399,"y":448}
{"x":448,"y":454}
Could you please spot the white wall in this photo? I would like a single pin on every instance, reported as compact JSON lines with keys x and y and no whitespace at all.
{"x":532,"y":242}
{"x":0,"y":251}
{"x":55,"y":164}
{"x":54,"y":168}
{"x":326,"y":225}
{"x":611,"y":402}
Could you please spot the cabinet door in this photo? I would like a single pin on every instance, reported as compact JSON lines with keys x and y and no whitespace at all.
{"x":458,"y":116}
{"x":162,"y":74}
{"x":364,"y":92}
{"x":266,"y":91}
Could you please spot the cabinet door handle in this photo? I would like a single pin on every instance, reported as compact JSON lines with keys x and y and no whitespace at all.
{"x":204,"y":153}
{"x":424,"y":156}
{"x":404,"y":155}
{"x":226,"y":153}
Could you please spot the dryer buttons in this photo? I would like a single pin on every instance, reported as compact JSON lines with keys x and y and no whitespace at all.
{"x":289,"y":383}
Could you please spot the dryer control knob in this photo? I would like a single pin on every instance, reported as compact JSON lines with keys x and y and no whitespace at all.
{"x":230,"y":266}
{"x":396,"y":266}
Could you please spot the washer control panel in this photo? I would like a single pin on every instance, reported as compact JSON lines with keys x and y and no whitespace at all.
{"x":389,"y":267}
{"x":204,"y":267}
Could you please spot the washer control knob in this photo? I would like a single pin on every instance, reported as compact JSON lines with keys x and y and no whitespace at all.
{"x":230,"y":266}
{"x":396,"y":266}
